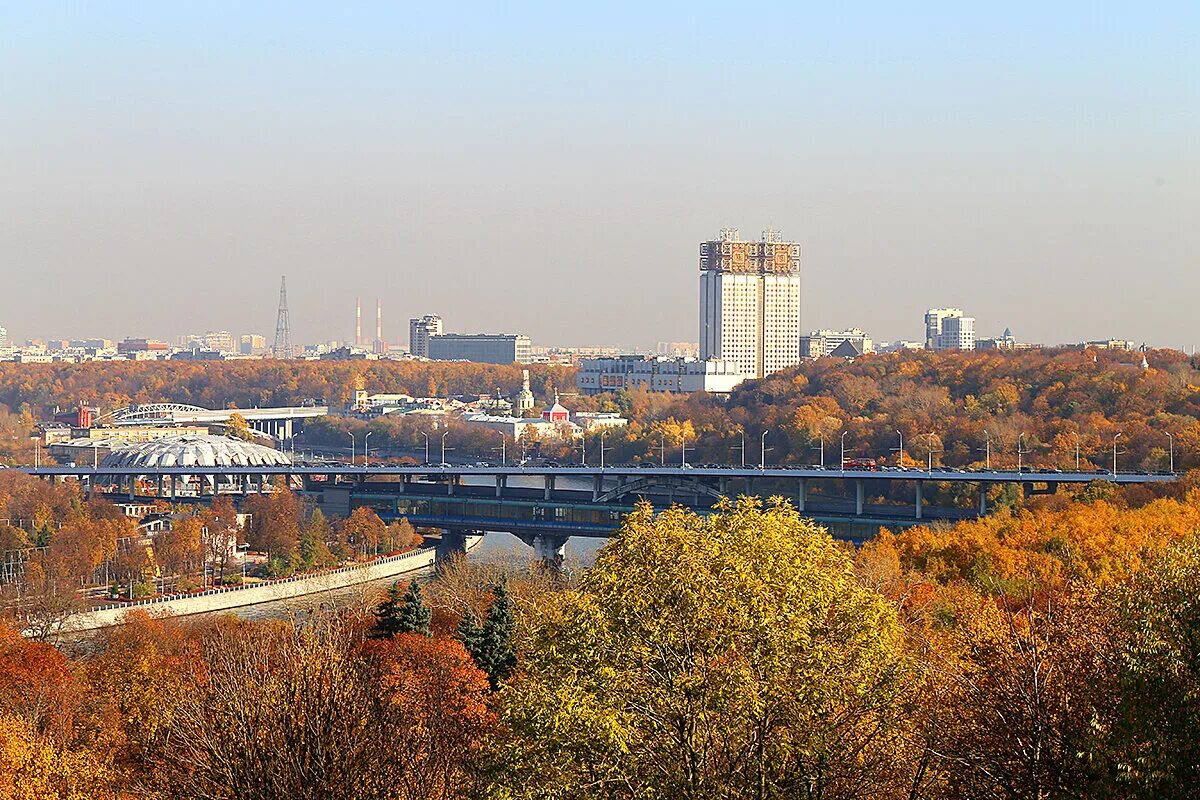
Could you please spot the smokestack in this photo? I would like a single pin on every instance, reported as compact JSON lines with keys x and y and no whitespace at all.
{"x":379,"y":320}
{"x":358,"y":322}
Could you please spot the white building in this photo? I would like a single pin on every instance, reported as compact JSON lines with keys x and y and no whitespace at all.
{"x":657,"y":374}
{"x":3,"y":336}
{"x":823,"y":342}
{"x":948,"y":329}
{"x":419,"y":332}
{"x":750,"y":302}
{"x":599,"y":420}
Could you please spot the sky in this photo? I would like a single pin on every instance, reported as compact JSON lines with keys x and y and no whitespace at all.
{"x":550,"y":168}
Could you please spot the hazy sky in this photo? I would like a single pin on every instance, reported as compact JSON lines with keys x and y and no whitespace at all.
{"x":550,"y":168}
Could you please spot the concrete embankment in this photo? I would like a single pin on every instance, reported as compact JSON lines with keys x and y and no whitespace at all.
{"x":222,"y":599}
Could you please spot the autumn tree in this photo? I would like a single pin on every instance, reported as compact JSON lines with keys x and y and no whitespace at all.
{"x":734,"y":655}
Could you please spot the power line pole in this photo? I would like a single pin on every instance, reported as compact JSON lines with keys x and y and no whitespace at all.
{"x":283,"y":330}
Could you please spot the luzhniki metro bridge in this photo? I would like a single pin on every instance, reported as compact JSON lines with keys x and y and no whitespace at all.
{"x":544,"y":506}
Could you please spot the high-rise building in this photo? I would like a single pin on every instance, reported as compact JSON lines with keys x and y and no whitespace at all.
{"x":485,"y":348}
{"x":750,"y":302}
{"x":948,"y":329}
{"x":252,"y":344}
{"x":419,"y":332}
{"x":3,"y":336}
{"x":221,"y":341}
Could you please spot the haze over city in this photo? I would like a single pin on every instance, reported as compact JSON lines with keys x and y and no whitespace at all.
{"x":1038,"y":168}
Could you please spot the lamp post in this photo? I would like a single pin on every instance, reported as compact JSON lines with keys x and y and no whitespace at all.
{"x":583,"y":448}
{"x":426,"y":435}
{"x":366,"y":440}
{"x":900,"y":450}
{"x":602,"y":449}
{"x":352,"y":450}
{"x":1116,"y":436}
{"x":844,"y":451}
{"x":822,"y":449}
{"x":987,"y":450}
{"x":930,"y":435}
{"x":37,"y":454}
{"x":1171,"y":452}
{"x":762,"y":450}
{"x":662,"y":449}
{"x":503,"y":450}
{"x":742,"y":447}
{"x":444,"y":435}
{"x":1020,"y":450}
{"x":1077,"y":452}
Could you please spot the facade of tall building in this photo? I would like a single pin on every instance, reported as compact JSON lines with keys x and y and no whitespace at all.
{"x":420,"y":330}
{"x":252,"y":344}
{"x":948,"y":329}
{"x":221,"y":341}
{"x":750,"y":302}
{"x":3,"y":336}
{"x":484,"y":348}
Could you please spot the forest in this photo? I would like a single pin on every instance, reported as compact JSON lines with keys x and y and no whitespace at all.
{"x":1050,"y":652}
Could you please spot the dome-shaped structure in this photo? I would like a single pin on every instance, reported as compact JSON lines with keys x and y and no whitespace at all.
{"x":196,"y":451}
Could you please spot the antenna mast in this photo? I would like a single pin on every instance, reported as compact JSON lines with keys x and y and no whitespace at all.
{"x":283,"y":331}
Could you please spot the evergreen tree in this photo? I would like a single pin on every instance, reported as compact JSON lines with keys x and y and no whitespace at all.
{"x":414,"y":614}
{"x":402,"y":614}
{"x":471,"y":636}
{"x":387,"y":615}
{"x":498,"y":657}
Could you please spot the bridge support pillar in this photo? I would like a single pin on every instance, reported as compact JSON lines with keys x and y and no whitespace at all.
{"x":159,"y":492}
{"x":920,"y":498}
{"x":802,"y":495}
{"x":723,"y":486}
{"x":550,"y":548}
{"x":453,"y":542}
{"x":549,"y":486}
{"x":450,"y":481}
{"x":174,"y":486}
{"x":859,"y":492}
{"x":597,"y":487}
{"x":91,"y":490}
{"x":501,"y":482}
{"x":982,"y":499}
{"x":132,"y":483}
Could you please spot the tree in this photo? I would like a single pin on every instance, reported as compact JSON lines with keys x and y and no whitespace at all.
{"x":314,"y":538}
{"x":734,"y":655}
{"x":471,"y":635}
{"x":363,"y":529}
{"x":408,"y":615}
{"x":1153,"y":742}
{"x":497,"y":651}
{"x":239,"y":428}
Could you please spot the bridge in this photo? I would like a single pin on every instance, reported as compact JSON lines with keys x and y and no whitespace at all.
{"x":544,"y":506}
{"x":277,"y":422}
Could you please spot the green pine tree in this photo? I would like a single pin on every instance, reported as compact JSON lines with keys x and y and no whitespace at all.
{"x":387,"y":615}
{"x":414,"y":614}
{"x":471,"y":636}
{"x":498,"y":655}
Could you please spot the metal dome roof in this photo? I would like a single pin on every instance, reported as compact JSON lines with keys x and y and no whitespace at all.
{"x":196,"y":451}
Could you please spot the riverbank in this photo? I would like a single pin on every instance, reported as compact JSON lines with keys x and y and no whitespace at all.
{"x":232,"y":597}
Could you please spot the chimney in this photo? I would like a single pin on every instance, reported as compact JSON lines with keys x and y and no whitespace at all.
{"x":358,"y":322}
{"x":379,"y":320}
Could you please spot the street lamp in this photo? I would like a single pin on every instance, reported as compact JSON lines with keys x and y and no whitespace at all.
{"x":444,"y":435}
{"x":987,"y":450}
{"x":762,"y":447}
{"x":366,"y":439}
{"x":1020,"y":450}
{"x":503,"y":448}
{"x":1116,"y":436}
{"x":426,"y":435}
{"x":662,"y":449}
{"x":1171,"y":437}
{"x":930,"y":435}
{"x":1077,"y":439}
{"x":900,"y":449}
{"x":742,"y":447}
{"x":602,"y":449}
{"x":583,"y":448}
{"x":352,"y":450}
{"x":844,"y":451}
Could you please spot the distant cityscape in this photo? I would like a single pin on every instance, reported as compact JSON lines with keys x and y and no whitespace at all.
{"x":749,"y":327}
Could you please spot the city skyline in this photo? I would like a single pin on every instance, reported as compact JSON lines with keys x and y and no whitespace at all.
{"x":1036,"y":168}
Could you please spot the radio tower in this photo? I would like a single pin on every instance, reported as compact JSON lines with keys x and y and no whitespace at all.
{"x":283,"y":331}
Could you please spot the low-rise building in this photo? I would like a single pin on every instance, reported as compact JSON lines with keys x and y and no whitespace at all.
{"x":599,"y":420}
{"x":483,"y":348}
{"x":822,"y":343}
{"x":657,"y":374}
